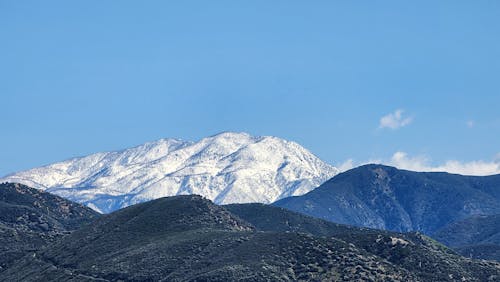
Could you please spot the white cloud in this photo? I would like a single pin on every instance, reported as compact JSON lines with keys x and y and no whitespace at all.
{"x":470,"y":123}
{"x":394,"y":120}
{"x":402,"y":160}
{"x":421,"y":163}
{"x":347,"y":165}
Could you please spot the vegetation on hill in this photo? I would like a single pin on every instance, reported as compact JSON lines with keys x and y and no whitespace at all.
{"x":31,"y":219}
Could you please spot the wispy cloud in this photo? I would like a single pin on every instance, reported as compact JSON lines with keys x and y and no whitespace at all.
{"x":347,"y":165}
{"x":422,"y":163}
{"x":395,"y":120}
{"x":470,"y":123}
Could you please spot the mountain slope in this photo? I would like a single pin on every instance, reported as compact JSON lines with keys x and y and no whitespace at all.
{"x":187,"y":238}
{"x":416,"y":253}
{"x":476,"y":236}
{"x":31,"y":219}
{"x":384,"y":197}
{"x":226,"y":168}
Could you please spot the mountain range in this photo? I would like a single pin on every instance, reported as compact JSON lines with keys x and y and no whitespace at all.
{"x":225,"y":168}
{"x":189,"y":238}
{"x":459,"y":211}
{"x":384,"y":197}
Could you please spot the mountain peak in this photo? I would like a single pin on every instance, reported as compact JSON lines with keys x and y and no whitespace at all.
{"x":173,"y":214}
{"x":229,"y":167}
{"x":230,"y":134}
{"x":385,"y":197}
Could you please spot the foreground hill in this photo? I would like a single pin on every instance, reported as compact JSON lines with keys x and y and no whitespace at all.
{"x":31,"y":219}
{"x":476,"y":236}
{"x":384,"y":197}
{"x":225,"y":168}
{"x":188,"y":238}
{"x":413,"y":252}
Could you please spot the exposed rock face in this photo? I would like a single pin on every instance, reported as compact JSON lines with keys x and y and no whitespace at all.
{"x":30,"y":219}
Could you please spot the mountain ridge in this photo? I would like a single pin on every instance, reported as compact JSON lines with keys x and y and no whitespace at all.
{"x":385,"y":197}
{"x":227,"y":168}
{"x":189,"y":238}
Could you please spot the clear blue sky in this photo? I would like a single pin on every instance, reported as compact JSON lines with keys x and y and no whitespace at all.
{"x":78,"y":77}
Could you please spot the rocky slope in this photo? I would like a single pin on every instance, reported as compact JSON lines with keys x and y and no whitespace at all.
{"x":31,"y":219}
{"x":384,"y":197}
{"x":225,"y":168}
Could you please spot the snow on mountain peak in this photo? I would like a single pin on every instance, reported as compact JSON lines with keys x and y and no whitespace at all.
{"x":226,"y":168}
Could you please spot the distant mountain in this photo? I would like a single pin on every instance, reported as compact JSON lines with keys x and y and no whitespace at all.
{"x":477,"y":236}
{"x":487,"y":251}
{"x":384,"y":197}
{"x":30,"y":219}
{"x":188,"y":238}
{"x":225,"y":168}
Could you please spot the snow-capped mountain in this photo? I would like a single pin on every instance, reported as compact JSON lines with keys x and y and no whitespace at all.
{"x":225,"y":168}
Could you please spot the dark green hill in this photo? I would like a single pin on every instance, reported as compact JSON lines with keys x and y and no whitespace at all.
{"x":414,"y":252}
{"x":476,"y":236}
{"x":187,"y":238}
{"x":384,"y":197}
{"x":30,"y":219}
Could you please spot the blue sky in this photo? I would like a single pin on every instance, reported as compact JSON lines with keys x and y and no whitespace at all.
{"x":79,"y":77}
